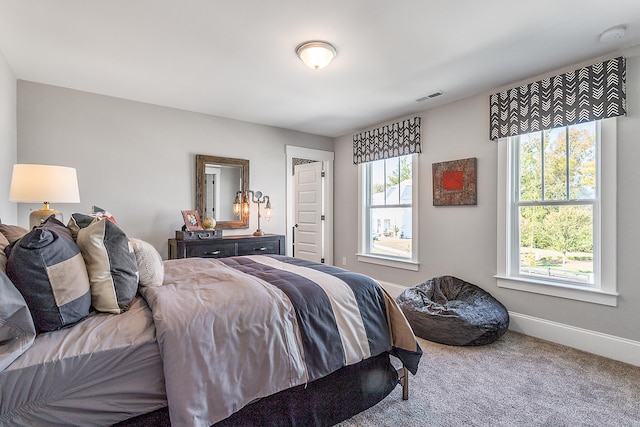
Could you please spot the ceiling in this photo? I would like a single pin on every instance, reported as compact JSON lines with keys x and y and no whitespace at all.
{"x":236,"y":59}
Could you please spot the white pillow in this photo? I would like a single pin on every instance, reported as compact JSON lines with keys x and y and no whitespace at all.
{"x":150,"y":266}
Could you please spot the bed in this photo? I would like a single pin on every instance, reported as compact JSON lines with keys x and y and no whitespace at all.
{"x":233,"y":341}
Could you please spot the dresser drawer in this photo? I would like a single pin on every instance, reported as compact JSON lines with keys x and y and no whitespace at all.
{"x":218,"y":250}
{"x":259,"y":247}
{"x":227,"y":246}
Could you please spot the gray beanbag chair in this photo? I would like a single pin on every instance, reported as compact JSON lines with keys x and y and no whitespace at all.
{"x":451,"y":311}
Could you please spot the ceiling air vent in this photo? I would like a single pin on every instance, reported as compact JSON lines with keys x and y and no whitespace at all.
{"x":431,"y":96}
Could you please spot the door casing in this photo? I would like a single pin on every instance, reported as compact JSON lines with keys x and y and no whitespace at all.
{"x":327,"y":158}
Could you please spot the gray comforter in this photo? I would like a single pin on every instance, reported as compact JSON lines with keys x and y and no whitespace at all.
{"x":237,"y":329}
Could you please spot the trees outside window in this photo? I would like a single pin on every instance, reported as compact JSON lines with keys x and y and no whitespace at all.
{"x":556,"y":202}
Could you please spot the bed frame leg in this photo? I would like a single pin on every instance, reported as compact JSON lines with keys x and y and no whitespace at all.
{"x":403,"y":379}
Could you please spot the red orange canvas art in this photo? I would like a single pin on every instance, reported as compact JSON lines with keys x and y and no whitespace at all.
{"x":454,"y":183}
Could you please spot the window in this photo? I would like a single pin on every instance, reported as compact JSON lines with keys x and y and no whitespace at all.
{"x":388,"y":225}
{"x":557,"y":221}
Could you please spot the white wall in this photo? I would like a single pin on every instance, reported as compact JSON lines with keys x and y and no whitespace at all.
{"x":461,"y":241}
{"x":138,"y":160}
{"x":8,"y":211}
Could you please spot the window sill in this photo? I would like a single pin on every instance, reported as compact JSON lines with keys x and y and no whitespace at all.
{"x":578,"y":293}
{"x":389,"y":262}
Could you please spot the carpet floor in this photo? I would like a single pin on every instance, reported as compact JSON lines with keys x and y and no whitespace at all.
{"x":516,"y":381}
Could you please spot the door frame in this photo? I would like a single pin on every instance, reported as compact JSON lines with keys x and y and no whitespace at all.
{"x":326,"y":157}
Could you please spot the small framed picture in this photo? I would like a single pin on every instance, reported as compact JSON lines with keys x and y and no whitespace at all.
{"x":192,"y":220}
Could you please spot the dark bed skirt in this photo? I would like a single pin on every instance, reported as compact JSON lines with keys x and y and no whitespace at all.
{"x":323,"y":402}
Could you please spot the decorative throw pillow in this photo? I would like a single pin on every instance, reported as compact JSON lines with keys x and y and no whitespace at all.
{"x":47,"y":268}
{"x":3,"y":258}
{"x":17,"y":331}
{"x":3,"y":242}
{"x":150,"y":266}
{"x":12,"y":232}
{"x":77,"y":222}
{"x":97,"y":212}
{"x":110,"y":260}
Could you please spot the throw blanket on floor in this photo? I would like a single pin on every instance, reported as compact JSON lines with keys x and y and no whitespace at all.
{"x":236,"y":329}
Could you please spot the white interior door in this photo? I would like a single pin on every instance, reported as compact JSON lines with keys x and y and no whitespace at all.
{"x":308,"y":211}
{"x":212,"y":184}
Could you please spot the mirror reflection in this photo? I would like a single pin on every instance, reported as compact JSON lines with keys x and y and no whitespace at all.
{"x":218,"y":179}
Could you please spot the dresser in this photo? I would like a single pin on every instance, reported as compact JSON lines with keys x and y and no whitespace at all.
{"x":227,"y":246}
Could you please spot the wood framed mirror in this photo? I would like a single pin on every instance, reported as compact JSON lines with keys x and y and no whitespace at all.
{"x":217,"y":181}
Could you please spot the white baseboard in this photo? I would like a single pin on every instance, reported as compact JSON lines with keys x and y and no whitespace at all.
{"x":616,"y":348}
{"x":610,"y":346}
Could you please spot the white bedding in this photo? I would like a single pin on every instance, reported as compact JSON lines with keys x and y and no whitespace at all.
{"x":75,"y":376}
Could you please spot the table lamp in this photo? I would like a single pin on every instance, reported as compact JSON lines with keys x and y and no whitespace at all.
{"x":43,"y":184}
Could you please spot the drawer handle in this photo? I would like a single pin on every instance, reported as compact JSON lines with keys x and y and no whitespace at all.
{"x":212,"y":253}
{"x":262,"y":249}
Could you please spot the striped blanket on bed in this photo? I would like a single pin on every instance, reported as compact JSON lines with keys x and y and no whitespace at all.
{"x":232,"y":330}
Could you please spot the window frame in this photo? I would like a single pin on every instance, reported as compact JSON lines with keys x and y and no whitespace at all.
{"x":364,"y":226}
{"x":604,"y":289}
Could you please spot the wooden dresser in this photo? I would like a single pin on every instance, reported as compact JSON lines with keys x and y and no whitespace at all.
{"x":227,"y":246}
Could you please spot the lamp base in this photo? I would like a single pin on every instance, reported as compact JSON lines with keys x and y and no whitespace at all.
{"x":258,"y":232}
{"x":38,"y":217}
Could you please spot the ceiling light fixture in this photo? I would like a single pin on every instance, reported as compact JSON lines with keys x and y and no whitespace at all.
{"x":613,"y":34}
{"x":316,"y":54}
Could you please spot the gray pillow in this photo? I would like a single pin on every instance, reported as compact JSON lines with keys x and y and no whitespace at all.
{"x":47,"y":268}
{"x":17,"y":331}
{"x":110,"y":260}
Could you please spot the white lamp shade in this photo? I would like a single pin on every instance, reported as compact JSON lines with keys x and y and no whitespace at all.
{"x":44,"y":183}
{"x":316,"y":54}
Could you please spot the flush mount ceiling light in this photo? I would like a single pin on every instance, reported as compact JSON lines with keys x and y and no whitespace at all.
{"x":613,"y":34}
{"x":316,"y":54}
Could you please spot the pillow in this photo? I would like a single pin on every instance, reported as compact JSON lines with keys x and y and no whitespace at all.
{"x":110,"y":260}
{"x":77,"y":222}
{"x":81,"y":221}
{"x":97,"y":212}
{"x":4,"y":242}
{"x":3,"y":258}
{"x":150,"y":266}
{"x":47,"y":268}
{"x":17,"y":331}
{"x":12,"y":232}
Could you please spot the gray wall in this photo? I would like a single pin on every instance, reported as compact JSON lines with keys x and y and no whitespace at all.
{"x":8,"y":211}
{"x":461,"y":241}
{"x":138,"y":160}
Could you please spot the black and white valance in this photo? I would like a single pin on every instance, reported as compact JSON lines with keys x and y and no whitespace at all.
{"x":590,"y":93}
{"x":398,"y":139}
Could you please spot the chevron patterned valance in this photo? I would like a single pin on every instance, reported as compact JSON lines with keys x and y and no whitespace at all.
{"x":388,"y":141}
{"x":590,"y":93}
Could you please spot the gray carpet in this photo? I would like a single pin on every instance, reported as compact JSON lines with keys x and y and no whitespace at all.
{"x":515,"y":381}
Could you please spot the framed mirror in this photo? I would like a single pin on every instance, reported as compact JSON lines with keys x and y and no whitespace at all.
{"x":217,"y":181}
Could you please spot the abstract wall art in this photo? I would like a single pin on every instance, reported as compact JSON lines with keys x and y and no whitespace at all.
{"x":455,"y":183}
